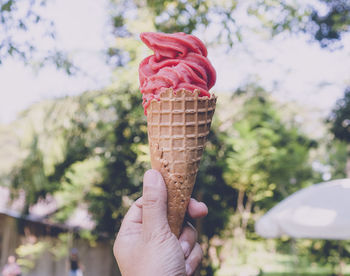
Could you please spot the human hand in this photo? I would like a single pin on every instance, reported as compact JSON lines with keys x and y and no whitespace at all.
{"x":146,"y":246}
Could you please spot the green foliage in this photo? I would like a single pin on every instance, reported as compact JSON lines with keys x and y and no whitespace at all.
{"x":92,"y":149}
{"x":17,"y":20}
{"x":124,"y":166}
{"x":95,"y":151}
{"x":298,"y":16}
{"x":30,"y":175}
{"x":330,"y":254}
{"x":104,"y":153}
{"x":273,"y":16}
{"x":340,"y":118}
{"x":281,"y":16}
{"x":74,"y":186}
{"x":337,"y":159}
{"x":269,"y":158}
{"x":179,"y":16}
{"x":60,"y":246}
{"x":29,"y":253}
{"x":102,"y":159}
{"x":211,"y":186}
{"x":169,"y":16}
{"x":335,"y":22}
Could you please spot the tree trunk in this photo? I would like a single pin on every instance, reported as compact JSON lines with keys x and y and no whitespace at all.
{"x":240,"y":205}
{"x":246,"y":214}
{"x":238,"y":231}
{"x":244,"y":211}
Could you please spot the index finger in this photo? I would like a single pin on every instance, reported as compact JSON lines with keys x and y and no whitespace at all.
{"x":197,"y":209}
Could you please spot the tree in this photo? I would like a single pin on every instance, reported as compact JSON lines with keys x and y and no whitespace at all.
{"x":19,"y":20}
{"x":212,"y":189}
{"x":333,"y":24}
{"x":340,"y":118}
{"x":280,"y":16}
{"x":274,"y":16}
{"x":252,"y":161}
{"x":100,"y":143}
{"x":329,"y":253}
{"x":123,"y":153}
{"x":268,"y":157}
{"x":30,"y":176}
{"x":340,"y":124}
{"x":18,"y":23}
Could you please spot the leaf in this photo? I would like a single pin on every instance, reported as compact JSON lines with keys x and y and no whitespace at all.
{"x":7,"y":6}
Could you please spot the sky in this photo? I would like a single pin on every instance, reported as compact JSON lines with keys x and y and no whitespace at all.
{"x":295,"y":69}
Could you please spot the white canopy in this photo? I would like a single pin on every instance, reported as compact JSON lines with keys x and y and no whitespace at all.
{"x":321,"y":211}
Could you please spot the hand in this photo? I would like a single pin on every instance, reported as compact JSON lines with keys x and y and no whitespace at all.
{"x":146,"y":246}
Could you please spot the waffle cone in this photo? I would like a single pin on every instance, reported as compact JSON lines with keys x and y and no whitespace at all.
{"x":178,"y":126}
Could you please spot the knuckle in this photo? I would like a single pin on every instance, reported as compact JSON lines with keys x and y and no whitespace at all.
{"x":151,"y":197}
{"x":164,"y":235}
{"x":128,"y":231}
{"x":150,"y":203}
{"x":159,"y":235}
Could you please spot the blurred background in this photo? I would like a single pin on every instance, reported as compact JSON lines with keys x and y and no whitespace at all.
{"x":73,"y":136}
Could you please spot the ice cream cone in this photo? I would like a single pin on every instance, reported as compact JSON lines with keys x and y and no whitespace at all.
{"x":178,"y":126}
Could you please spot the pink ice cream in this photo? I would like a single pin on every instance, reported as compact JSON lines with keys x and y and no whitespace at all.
{"x":179,"y":62}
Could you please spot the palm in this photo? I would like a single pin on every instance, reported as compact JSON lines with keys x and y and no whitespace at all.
{"x":163,"y":244}
{"x":145,"y":244}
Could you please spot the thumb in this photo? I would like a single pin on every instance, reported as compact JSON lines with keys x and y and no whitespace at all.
{"x":154,"y":206}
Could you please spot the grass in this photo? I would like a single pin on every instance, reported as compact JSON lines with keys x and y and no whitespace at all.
{"x":253,"y":257}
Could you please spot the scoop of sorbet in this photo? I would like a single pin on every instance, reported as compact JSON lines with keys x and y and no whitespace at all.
{"x":179,"y":62}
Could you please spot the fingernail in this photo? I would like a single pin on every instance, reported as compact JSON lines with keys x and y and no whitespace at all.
{"x":188,"y":269}
{"x":190,"y":225}
{"x":152,"y":178}
{"x":185,"y":248}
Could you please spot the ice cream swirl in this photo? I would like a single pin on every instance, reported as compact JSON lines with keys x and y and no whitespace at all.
{"x":179,"y":62}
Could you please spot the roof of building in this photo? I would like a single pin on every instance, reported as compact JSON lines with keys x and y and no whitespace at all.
{"x":43,"y":211}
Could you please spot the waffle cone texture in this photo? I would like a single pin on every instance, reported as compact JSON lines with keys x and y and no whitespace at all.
{"x":178,"y":127}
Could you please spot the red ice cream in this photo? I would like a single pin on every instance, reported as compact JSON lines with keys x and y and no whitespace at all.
{"x":179,"y":62}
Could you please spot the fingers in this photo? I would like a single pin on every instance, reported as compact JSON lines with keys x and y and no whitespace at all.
{"x":192,"y":250}
{"x":134,"y":214}
{"x":197,"y":209}
{"x":131,"y":224}
{"x":154,"y":204}
{"x":188,"y":239}
{"x":194,"y":259}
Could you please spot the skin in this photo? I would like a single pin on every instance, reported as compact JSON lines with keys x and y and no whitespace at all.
{"x":146,"y":246}
{"x":11,"y":269}
{"x":11,"y":259}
